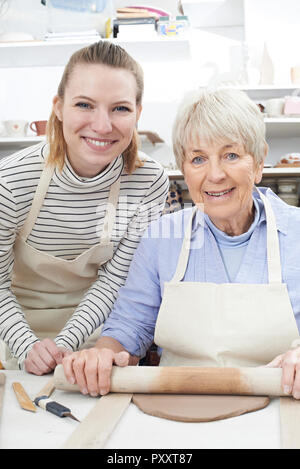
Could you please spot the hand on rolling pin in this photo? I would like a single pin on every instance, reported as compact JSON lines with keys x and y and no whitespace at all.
{"x":290,"y":364}
{"x":91,"y":368}
{"x":44,"y":356}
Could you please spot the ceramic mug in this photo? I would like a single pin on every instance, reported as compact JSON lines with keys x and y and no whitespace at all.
{"x":39,"y":127}
{"x":274,"y":107}
{"x":16,"y":128}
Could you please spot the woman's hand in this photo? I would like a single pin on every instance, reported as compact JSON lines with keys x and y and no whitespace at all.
{"x":44,"y":356}
{"x":290,"y":364}
{"x":91,"y":368}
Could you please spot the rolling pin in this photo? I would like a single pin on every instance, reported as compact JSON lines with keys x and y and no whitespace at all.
{"x":257,"y":381}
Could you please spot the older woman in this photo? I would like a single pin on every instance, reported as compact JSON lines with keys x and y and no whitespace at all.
{"x":216,"y":284}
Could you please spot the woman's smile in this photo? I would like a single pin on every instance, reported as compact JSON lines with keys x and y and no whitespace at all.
{"x":220,"y":195}
{"x":99,"y":145}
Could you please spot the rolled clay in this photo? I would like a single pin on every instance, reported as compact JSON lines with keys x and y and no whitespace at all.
{"x":197,"y":408}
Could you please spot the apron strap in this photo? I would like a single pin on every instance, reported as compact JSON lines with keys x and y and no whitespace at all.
{"x":109,"y":219}
{"x":185,"y":250}
{"x":39,"y":196}
{"x":273,"y":251}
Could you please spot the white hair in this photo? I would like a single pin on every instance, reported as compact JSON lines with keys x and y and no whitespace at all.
{"x":219,"y":115}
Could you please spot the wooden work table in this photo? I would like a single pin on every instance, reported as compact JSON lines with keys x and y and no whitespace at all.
{"x":136,"y":430}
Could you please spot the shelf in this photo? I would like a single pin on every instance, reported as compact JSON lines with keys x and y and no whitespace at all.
{"x":46,"y":53}
{"x":174,"y":174}
{"x":264,"y":92}
{"x":270,"y":88}
{"x":18,"y":143}
{"x":285,"y":127}
{"x":278,"y":172}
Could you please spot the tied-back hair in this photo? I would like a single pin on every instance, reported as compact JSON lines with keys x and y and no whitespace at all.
{"x":103,"y":53}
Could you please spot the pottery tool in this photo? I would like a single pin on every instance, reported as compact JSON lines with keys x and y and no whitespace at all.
{"x":2,"y":385}
{"x":94,"y":431}
{"x":257,"y":381}
{"x":42,"y":400}
{"x":23,"y":398}
{"x":54,"y":407}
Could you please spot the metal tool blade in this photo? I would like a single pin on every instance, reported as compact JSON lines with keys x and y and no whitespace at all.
{"x":71,"y":416}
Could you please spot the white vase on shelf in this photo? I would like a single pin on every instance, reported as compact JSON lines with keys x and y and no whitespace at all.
{"x":267,"y":68}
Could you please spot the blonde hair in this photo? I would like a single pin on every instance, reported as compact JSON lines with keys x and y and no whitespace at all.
{"x":104,"y":53}
{"x":219,"y":115}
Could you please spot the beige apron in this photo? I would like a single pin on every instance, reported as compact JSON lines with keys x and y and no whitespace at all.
{"x":230,"y":324}
{"x":48,"y":288}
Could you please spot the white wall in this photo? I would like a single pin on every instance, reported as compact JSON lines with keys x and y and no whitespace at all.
{"x":28,"y":16}
{"x":275,"y":23}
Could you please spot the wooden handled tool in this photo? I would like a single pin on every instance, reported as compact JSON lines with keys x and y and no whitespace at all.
{"x":23,"y":398}
{"x":42,"y":400}
{"x":258,"y":381}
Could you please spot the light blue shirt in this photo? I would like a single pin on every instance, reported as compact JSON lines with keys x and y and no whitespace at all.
{"x":132,"y":320}
{"x":233,"y":248}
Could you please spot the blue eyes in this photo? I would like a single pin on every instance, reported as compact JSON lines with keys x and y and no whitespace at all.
{"x":199,"y":160}
{"x":232,"y":156}
{"x":83,"y":105}
{"x":122,"y":109}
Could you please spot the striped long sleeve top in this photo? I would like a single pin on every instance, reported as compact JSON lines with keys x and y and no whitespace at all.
{"x":69,"y":223}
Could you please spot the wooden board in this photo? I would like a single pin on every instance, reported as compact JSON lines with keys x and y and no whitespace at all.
{"x":95,"y":429}
{"x":290,"y":423}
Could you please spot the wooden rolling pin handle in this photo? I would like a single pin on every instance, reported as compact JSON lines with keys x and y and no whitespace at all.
{"x":258,"y":381}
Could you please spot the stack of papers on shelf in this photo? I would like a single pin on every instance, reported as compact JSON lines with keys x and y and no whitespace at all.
{"x":131,"y":12}
{"x":91,"y":35}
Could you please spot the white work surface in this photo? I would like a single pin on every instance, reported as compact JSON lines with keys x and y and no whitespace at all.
{"x":136,"y":430}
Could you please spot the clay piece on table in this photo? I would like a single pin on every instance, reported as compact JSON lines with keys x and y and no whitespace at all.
{"x":197,"y":408}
